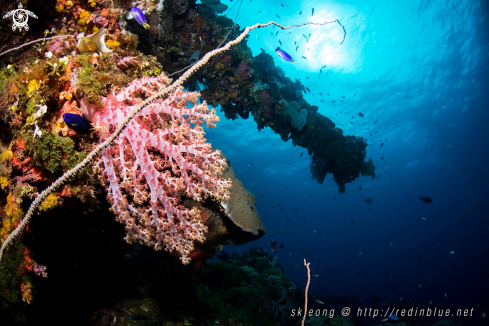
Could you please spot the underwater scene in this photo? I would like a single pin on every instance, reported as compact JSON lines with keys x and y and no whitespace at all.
{"x":244,"y":162}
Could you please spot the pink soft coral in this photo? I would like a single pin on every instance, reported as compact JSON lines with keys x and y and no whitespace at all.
{"x":160,"y":158}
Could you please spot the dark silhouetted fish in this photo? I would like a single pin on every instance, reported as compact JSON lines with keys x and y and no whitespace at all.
{"x":360,"y":114}
{"x":273,"y":245}
{"x":426,"y":200}
{"x":444,"y":151}
{"x":369,"y":201}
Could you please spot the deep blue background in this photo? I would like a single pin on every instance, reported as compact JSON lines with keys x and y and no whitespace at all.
{"x":420,"y":69}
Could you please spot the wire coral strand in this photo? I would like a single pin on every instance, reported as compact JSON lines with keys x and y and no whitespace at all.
{"x":305,"y":292}
{"x":101,"y":146}
{"x":35,"y":41}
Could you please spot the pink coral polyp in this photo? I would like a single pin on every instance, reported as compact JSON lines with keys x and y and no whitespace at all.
{"x":159,"y":158}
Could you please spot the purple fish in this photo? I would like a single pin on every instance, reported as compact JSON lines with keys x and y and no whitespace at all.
{"x":284,"y":55}
{"x":139,"y":16}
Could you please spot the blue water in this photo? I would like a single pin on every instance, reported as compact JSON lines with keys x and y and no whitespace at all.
{"x":420,"y":69}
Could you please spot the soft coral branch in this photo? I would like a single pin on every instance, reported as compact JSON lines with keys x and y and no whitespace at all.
{"x":160,"y":158}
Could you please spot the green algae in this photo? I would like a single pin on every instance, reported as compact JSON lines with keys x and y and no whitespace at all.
{"x":54,"y":152}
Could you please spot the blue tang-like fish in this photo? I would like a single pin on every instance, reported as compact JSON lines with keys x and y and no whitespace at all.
{"x":78,"y":123}
{"x":139,"y":16}
{"x":250,"y":164}
{"x":284,"y":55}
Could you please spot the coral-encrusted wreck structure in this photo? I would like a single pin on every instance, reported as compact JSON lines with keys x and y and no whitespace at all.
{"x":246,"y":85}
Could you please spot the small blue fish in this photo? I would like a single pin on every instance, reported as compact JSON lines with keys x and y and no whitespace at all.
{"x":139,"y":16}
{"x":393,"y":317}
{"x":284,"y":55}
{"x":314,"y":232}
{"x":78,"y":123}
{"x":250,"y":164}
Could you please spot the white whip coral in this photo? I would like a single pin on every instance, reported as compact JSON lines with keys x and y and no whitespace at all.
{"x":158,"y":159}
